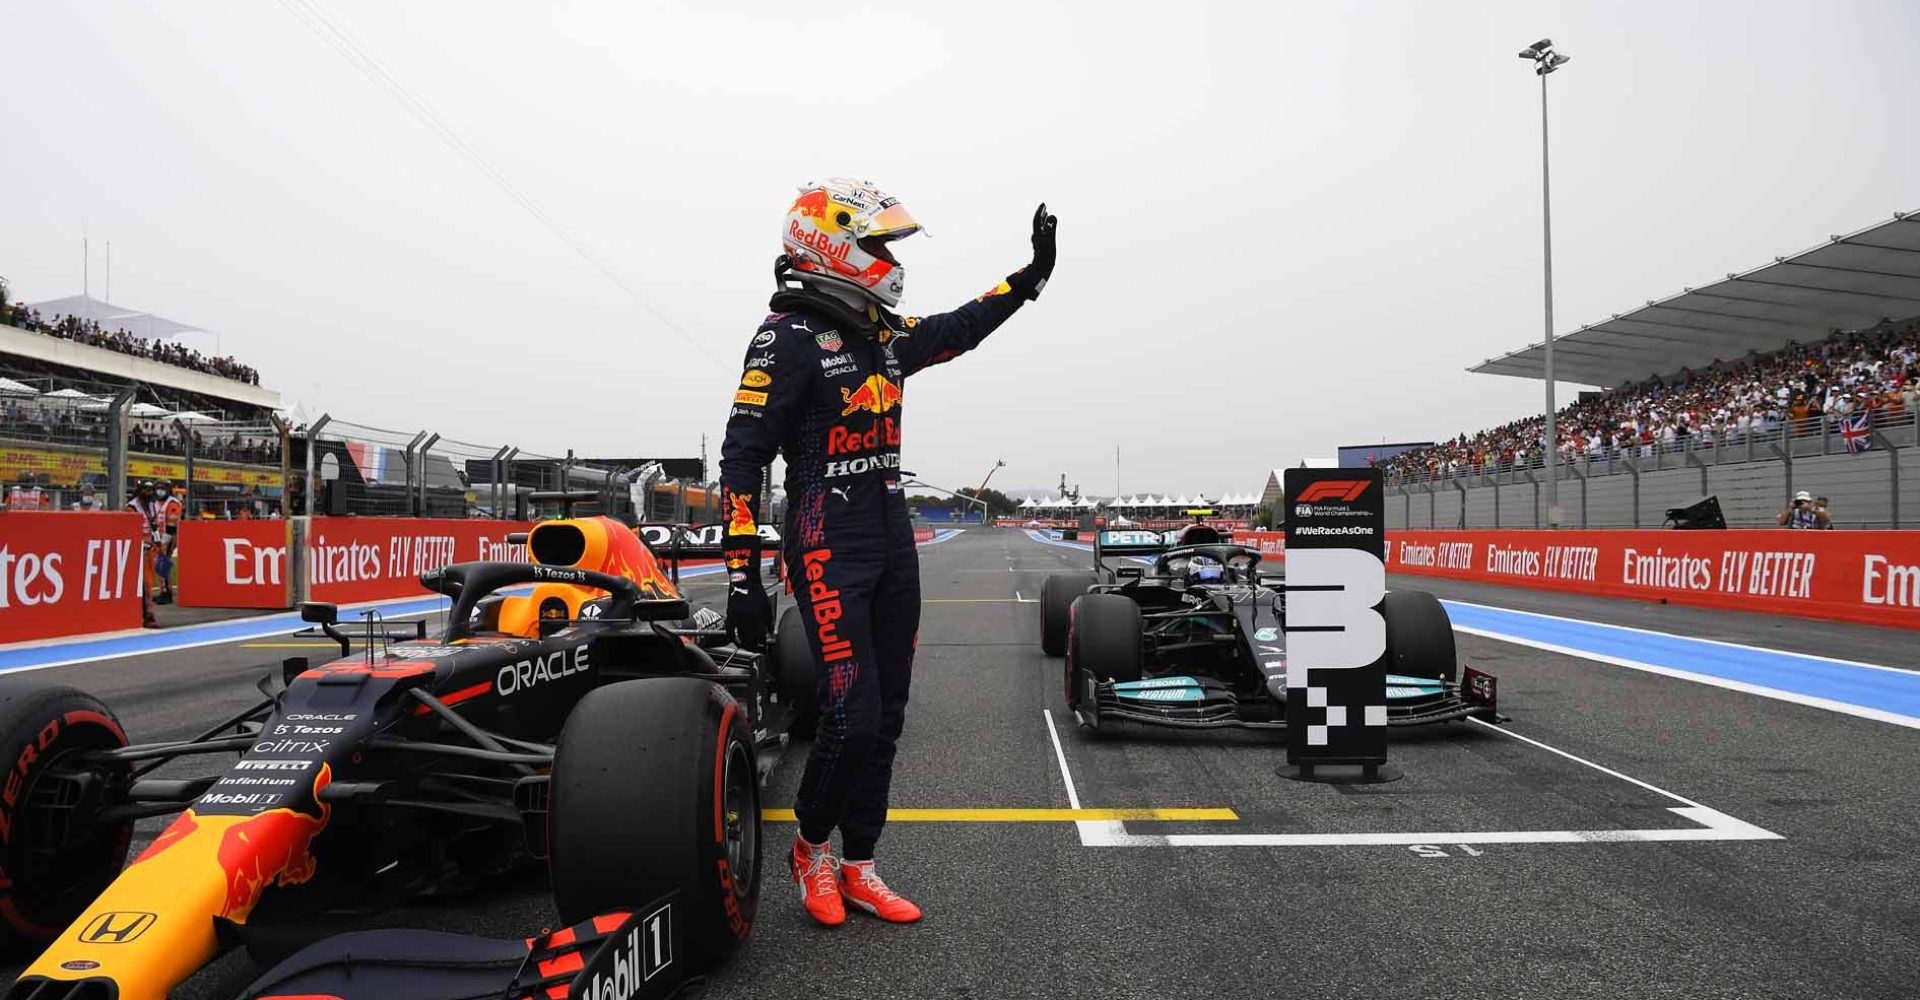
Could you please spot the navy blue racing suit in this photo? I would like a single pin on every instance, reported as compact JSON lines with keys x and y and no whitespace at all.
{"x":823,"y":386}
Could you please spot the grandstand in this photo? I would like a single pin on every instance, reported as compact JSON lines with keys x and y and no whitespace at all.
{"x":1800,"y":374}
{"x":1145,"y":509}
{"x":186,"y":416}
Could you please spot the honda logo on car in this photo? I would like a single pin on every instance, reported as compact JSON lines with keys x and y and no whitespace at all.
{"x":541,"y":669}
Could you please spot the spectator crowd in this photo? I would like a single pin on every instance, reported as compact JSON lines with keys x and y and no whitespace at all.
{"x":59,"y":421}
{"x":1800,"y":389}
{"x":86,"y":331}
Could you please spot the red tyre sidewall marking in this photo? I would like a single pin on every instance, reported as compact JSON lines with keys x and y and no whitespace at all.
{"x":44,"y":738}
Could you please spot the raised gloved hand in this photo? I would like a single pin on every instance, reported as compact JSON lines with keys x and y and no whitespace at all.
{"x":1029,"y":280}
{"x":749,"y":615}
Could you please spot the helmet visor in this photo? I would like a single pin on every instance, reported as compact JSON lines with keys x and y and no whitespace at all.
{"x":893,"y":222}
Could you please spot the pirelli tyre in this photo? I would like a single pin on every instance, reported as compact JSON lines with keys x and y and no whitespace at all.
{"x":654,"y":789}
{"x":56,"y":855}
{"x":793,"y":664}
{"x":1419,"y":636}
{"x":1057,"y":593}
{"x":1103,"y":644}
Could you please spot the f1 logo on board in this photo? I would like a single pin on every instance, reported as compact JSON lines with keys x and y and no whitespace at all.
{"x":116,"y":927}
{"x":1334,"y":489}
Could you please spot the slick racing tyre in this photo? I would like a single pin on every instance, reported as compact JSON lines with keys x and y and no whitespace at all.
{"x":56,"y":854}
{"x":793,"y":666}
{"x":654,"y":789}
{"x":1419,"y":636}
{"x":1103,"y":644}
{"x":1057,"y":592}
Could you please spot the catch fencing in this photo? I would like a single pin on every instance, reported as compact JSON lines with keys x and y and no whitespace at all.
{"x":68,"y":445}
{"x":1867,"y":472}
{"x":350,"y":469}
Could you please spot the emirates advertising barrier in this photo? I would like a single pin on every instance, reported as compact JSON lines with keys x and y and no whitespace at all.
{"x":68,"y":573}
{"x":1336,"y":637}
{"x":368,"y":559}
{"x":234,"y":564}
{"x":1859,"y":576}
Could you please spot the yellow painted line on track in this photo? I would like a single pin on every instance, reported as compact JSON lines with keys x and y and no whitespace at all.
{"x":1029,"y":815}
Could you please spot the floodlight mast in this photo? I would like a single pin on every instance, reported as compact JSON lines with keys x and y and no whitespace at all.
{"x":1545,"y":61}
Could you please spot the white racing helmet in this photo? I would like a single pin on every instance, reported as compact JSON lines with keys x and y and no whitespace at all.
{"x":837,"y":231}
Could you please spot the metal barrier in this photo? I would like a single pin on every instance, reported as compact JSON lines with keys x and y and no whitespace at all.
{"x":1755,"y":475}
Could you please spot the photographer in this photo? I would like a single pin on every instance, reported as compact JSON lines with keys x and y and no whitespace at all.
{"x":1804,"y":514}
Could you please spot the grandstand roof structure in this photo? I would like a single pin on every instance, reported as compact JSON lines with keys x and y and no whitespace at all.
{"x":1851,"y":282}
{"x":113,"y":317}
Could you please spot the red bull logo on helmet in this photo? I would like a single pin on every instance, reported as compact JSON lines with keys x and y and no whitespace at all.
{"x":811,"y":203}
{"x":821,"y":243}
{"x":875,"y":395}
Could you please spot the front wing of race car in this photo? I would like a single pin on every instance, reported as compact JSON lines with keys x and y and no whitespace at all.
{"x":1206,"y":703}
{"x":633,"y":956}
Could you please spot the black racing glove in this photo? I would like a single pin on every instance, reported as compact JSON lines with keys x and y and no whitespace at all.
{"x":1029,"y":280}
{"x":749,"y":615}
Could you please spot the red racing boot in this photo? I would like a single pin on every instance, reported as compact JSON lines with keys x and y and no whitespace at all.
{"x":862,"y":887}
{"x":813,"y":868}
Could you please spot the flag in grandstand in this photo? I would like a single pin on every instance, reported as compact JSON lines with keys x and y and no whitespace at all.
{"x":1853,"y":430}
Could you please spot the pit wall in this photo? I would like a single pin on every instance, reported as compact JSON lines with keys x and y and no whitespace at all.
{"x":1858,"y":576}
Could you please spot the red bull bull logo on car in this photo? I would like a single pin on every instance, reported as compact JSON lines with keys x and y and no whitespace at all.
{"x":875,"y":395}
{"x":274,"y":846}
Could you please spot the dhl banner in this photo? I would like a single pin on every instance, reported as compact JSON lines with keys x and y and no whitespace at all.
{"x":65,"y":467}
{"x":234,"y":564}
{"x":68,"y":573}
{"x":370,"y":559}
{"x":1860,"y":576}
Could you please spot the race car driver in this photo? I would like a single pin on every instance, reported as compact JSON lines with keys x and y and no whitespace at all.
{"x":823,"y":385}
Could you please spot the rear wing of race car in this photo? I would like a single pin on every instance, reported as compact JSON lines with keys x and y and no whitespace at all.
{"x":1114,"y":542}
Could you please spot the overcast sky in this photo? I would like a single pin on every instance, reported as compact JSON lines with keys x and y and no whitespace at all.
{"x":1284,"y":227}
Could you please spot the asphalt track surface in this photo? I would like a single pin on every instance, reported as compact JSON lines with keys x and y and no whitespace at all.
{"x":1827,"y":905}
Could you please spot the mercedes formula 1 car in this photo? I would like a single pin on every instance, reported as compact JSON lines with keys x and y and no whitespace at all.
{"x":1195,"y":639}
{"x":592,"y":723}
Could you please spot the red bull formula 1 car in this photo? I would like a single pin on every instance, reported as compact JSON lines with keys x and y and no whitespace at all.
{"x":1195,"y":639}
{"x":589,"y":723}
